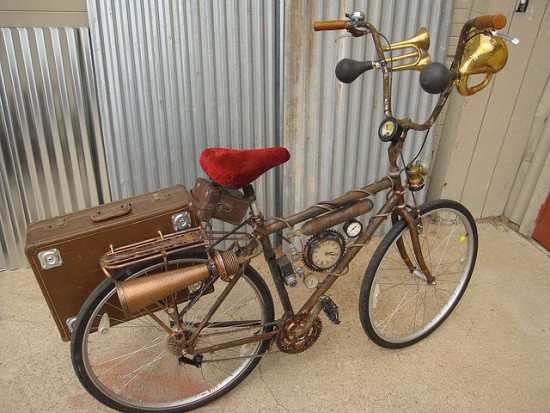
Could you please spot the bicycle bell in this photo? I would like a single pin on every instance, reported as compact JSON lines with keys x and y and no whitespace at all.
{"x":356,"y":16}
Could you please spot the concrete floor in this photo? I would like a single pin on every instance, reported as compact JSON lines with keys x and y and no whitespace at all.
{"x":492,"y":354}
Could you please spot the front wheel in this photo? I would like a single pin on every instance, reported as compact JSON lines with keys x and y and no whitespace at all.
{"x":134,"y":365}
{"x":398,"y":307}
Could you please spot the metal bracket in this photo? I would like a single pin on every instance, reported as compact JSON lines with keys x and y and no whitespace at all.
{"x":70,"y":323}
{"x":50,"y":259}
{"x":181,"y":221}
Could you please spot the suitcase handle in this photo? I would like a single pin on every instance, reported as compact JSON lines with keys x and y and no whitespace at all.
{"x":100,"y":216}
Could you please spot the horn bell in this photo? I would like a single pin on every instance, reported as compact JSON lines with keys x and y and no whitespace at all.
{"x":483,"y":55}
{"x":419,"y":43}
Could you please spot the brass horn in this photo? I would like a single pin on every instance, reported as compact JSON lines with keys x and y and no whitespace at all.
{"x":420,"y":43}
{"x":483,"y":54}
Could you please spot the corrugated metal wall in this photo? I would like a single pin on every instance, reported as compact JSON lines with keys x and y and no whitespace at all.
{"x":331,"y":128}
{"x":176,"y":77}
{"x":52,"y":157}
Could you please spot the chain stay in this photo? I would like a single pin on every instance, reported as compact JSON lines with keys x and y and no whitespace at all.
{"x":269,"y":351}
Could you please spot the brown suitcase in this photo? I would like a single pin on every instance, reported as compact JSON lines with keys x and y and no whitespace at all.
{"x":64,"y":252}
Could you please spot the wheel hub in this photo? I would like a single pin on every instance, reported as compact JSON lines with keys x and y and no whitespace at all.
{"x":172,"y":346}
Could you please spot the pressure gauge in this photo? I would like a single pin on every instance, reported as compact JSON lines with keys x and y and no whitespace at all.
{"x":324,"y":250}
{"x":389,"y":130}
{"x":353,"y":228}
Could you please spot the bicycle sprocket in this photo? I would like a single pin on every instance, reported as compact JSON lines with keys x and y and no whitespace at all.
{"x":287,"y":339}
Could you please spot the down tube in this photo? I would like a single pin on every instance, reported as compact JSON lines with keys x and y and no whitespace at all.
{"x":353,"y":250}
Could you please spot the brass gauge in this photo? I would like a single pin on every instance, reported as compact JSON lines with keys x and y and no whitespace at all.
{"x":323,"y":251}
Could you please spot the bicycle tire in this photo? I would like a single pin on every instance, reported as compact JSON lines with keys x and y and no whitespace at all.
{"x":397,"y":307}
{"x":133,"y":368}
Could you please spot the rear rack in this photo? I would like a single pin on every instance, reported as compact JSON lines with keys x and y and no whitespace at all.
{"x":160,"y":247}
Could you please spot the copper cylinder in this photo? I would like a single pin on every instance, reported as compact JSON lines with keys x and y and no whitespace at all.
{"x":142,"y":292}
{"x":336,"y":217}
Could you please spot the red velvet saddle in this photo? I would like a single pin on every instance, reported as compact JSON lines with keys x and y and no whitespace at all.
{"x":238,"y":168}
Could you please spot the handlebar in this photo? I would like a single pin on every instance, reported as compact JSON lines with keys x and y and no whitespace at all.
{"x":330,"y":25}
{"x":359,"y":28}
{"x":496,"y":21}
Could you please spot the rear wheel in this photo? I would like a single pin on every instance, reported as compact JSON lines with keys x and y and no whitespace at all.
{"x":135,"y":366}
{"x":397,"y":306}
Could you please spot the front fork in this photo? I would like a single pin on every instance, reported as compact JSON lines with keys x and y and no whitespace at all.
{"x":414,"y":230}
{"x":414,"y":224}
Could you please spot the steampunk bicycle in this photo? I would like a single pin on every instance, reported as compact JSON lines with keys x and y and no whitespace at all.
{"x":183,"y":318}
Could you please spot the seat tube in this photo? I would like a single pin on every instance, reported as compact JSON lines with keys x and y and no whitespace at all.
{"x":270,"y":258}
{"x":269,"y":254}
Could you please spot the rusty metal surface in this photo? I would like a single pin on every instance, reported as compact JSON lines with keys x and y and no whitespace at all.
{"x":154,"y":248}
{"x":336,"y":217}
{"x":315,"y":210}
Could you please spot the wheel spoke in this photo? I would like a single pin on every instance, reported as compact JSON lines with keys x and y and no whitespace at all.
{"x":400,"y":307}
{"x":137,"y":365}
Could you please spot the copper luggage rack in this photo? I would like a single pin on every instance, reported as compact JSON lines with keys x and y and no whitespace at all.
{"x":159,"y":247}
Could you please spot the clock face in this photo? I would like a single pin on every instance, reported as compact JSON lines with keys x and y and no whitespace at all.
{"x":324,"y":250}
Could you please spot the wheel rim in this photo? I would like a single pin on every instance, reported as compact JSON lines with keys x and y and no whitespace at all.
{"x":134,"y":363}
{"x":403,"y":307}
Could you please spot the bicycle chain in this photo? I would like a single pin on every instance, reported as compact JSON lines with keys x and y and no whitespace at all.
{"x":273,"y":323}
{"x":268,"y":351}
{"x":316,"y":330}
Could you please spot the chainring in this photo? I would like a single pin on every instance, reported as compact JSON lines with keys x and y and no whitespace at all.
{"x":287,"y":339}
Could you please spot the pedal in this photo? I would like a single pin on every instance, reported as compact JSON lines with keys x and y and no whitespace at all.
{"x":331,"y":309}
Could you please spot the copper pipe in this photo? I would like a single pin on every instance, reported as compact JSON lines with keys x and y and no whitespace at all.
{"x":313,"y":211}
{"x":144,"y":291}
{"x":337,"y":217}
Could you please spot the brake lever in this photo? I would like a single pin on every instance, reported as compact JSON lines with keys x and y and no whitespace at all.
{"x":511,"y":39}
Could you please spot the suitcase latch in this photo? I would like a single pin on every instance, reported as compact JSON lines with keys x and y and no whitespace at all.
{"x":50,"y":259}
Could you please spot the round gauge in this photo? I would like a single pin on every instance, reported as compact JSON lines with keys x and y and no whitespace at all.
{"x":389,"y":130}
{"x":353,"y":228}
{"x":324,"y":250}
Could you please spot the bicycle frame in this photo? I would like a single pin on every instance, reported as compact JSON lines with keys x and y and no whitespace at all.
{"x":166,"y":281}
{"x":394,"y":206}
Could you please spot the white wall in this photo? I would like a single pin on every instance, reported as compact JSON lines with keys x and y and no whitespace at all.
{"x":485,"y":138}
{"x":42,"y":13}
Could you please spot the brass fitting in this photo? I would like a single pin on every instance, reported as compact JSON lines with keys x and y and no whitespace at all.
{"x":415,"y":177}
